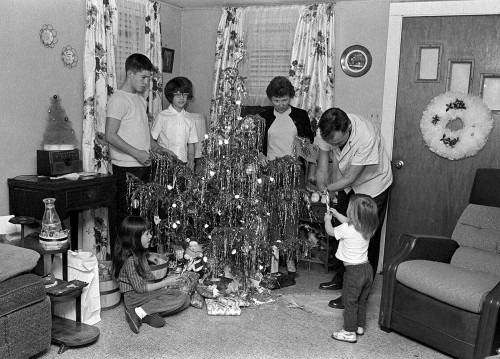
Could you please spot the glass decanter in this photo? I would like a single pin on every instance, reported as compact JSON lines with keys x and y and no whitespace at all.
{"x":51,"y":224}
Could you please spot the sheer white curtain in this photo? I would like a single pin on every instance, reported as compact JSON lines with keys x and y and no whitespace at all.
{"x":268,"y":40}
{"x":131,"y":19}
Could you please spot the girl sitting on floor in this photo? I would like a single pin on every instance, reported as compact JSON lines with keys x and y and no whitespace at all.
{"x":145,"y":301}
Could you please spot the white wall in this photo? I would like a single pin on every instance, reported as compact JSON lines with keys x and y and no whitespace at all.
{"x":30,"y":74}
{"x":171,"y":23}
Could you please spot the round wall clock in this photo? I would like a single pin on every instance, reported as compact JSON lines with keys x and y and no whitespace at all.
{"x":356,"y":60}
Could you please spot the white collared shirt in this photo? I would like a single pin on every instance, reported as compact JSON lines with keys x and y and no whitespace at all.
{"x":174,"y":130}
{"x":364,"y":147}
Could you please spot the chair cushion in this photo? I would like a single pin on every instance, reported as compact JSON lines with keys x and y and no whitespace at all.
{"x":16,"y":260}
{"x":479,"y":227}
{"x":477,"y":260}
{"x":20,"y":292}
{"x":450,"y":284}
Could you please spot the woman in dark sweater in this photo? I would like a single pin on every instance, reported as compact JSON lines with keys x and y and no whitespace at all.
{"x":283,"y":122}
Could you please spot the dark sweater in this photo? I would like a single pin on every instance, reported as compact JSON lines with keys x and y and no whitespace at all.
{"x":299,"y":117}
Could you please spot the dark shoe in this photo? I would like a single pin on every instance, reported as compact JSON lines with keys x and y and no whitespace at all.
{"x":134,"y":322}
{"x":336,"y":303}
{"x":154,"y":320}
{"x":333,"y":285}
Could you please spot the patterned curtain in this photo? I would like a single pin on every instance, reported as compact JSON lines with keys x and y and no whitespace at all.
{"x":99,"y":82}
{"x":312,"y":62}
{"x":229,"y":33}
{"x":152,"y":49}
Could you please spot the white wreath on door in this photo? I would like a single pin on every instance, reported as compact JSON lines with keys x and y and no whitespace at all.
{"x":456,"y":125}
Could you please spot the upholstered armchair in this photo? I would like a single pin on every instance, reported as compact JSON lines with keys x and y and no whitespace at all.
{"x":445,"y":292}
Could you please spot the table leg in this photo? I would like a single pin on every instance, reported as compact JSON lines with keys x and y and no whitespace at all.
{"x":73,"y":223}
{"x":327,"y":264}
{"x":78,"y":308}
{"x":65,"y":265}
{"x":112,"y":222}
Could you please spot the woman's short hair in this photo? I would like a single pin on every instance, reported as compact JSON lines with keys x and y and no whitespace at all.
{"x":280,"y":86}
{"x":178,"y":84}
{"x":363,"y":214}
{"x":333,"y":120}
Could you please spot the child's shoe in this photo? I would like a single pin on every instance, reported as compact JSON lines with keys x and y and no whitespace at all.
{"x":134,"y":322}
{"x":345,"y":336}
{"x":360,"y":331}
{"x":154,"y":320}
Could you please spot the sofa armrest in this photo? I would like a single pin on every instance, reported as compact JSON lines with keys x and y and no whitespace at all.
{"x":411,"y":246}
{"x":488,"y":323}
{"x":426,"y":247}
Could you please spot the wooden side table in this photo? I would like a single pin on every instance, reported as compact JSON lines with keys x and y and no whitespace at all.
{"x":26,"y":194}
{"x":65,"y":332}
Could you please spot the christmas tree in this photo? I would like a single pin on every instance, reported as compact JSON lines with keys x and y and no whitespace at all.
{"x":59,"y":133}
{"x":237,"y":209}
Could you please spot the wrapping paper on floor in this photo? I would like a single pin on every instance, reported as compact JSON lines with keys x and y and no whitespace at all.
{"x":222,"y":306}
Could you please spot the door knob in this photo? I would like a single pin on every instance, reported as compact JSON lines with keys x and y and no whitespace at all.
{"x":399,"y":164}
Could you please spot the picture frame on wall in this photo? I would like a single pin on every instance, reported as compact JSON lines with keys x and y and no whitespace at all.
{"x":168,"y":59}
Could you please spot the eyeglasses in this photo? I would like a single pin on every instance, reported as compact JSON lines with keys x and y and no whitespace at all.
{"x":181,"y":95}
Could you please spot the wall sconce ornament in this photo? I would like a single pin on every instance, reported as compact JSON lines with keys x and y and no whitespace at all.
{"x":48,"y":35}
{"x":69,"y":56}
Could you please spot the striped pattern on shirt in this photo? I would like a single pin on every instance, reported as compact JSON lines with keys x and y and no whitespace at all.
{"x":130,"y":280}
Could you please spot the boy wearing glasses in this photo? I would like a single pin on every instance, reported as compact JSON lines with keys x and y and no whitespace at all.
{"x":175,"y":128}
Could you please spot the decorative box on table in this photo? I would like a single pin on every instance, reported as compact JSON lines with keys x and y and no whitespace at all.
{"x":56,"y":163}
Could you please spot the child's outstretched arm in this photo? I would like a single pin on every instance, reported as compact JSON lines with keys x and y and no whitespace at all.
{"x":328,"y":223}
{"x":340,"y":217}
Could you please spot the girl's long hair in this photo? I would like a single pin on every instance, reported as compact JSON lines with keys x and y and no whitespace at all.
{"x":363,"y":214}
{"x":128,"y":243}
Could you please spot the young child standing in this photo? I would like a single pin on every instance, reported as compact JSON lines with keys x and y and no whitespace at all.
{"x":174,"y":127}
{"x":354,"y":235}
{"x":145,"y":301}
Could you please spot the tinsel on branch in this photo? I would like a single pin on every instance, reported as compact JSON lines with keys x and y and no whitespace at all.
{"x":233,"y":203}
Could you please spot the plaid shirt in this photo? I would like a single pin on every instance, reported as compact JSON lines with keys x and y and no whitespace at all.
{"x":130,"y":280}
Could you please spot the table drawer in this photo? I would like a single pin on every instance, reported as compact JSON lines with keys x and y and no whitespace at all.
{"x":81,"y":197}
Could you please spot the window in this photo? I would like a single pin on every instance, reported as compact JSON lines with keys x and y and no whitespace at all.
{"x":490,"y":91}
{"x":268,"y":39}
{"x":131,"y":24}
{"x":428,"y":63}
{"x":460,"y":75}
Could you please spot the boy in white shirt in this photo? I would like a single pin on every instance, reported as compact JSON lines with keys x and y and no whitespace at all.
{"x":354,"y":238}
{"x":175,"y":128}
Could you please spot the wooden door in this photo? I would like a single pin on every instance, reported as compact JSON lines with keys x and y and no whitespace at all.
{"x":430,"y":192}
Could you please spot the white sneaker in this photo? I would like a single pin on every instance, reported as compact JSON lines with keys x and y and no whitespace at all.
{"x":360,"y":331}
{"x":345,"y":336}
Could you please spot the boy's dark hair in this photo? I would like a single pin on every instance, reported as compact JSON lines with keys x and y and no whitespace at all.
{"x":178,"y":84}
{"x":280,"y":86}
{"x":333,"y":119}
{"x":138,"y":62}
